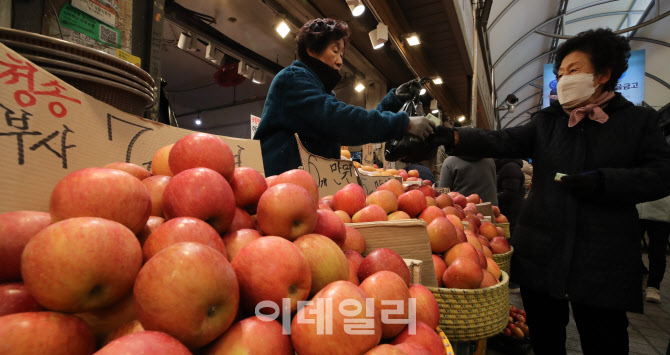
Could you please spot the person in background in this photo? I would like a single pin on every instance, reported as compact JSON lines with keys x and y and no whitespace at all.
{"x":595,"y":156}
{"x":470,"y":176}
{"x":301,"y":100}
{"x":655,"y":221}
{"x":510,"y":181}
{"x":527,"y":169}
{"x":424,"y":172}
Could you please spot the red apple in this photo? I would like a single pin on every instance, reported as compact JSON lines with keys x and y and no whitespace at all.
{"x":493,"y":268}
{"x":354,"y":259}
{"x":483,"y":241}
{"x":385,"y":199}
{"x":472,"y":239}
{"x":255,"y":335}
{"x":424,"y":336}
{"x":105,"y":193}
{"x":431,"y":213}
{"x":16,"y":229}
{"x":182,"y":229}
{"x":372,"y":213}
{"x":286,"y":210}
{"x":309,"y":336}
{"x":383,"y":259}
{"x":450,"y":210}
{"x":344,"y":216}
{"x":160,"y":161}
{"x":442,"y":235}
{"x":271,"y":269}
{"x":440,"y":266}
{"x":324,"y":207}
{"x":134,"y":326}
{"x":444,"y":201}
{"x":194,"y":272}
{"x":105,"y":321}
{"x":202,"y":150}
{"x":45,"y":333}
{"x":412,"y":202}
{"x":430,"y":202}
{"x":394,"y":186}
{"x":330,"y":225}
{"x":350,"y":199}
{"x":386,"y":286}
{"x":501,"y":232}
{"x":461,"y":235}
{"x":427,"y":310}
{"x":413,"y":349}
{"x":403,"y":174}
{"x":398,"y":215}
{"x":496,"y":211}
{"x":474,"y":198}
{"x":460,"y":200}
{"x":463,"y":273}
{"x":465,"y":250}
{"x":241,"y":220}
{"x":501,"y":219}
{"x":326,"y":260}
{"x":248,"y":185}
{"x":482,"y":259}
{"x":271,"y":180}
{"x":152,"y":224}
{"x":487,"y":251}
{"x":301,"y":178}
{"x":458,"y":224}
{"x":427,"y":190}
{"x":238,"y":239}
{"x":499,"y":245}
{"x":200,"y":193}
{"x":354,"y":240}
{"x":156,"y":186}
{"x":81,"y":264}
{"x":488,"y":280}
{"x":132,"y":169}
{"x":147,"y":342}
{"x":413,"y":173}
{"x":385,"y":349}
{"x":327,"y":201}
{"x":15,"y":298}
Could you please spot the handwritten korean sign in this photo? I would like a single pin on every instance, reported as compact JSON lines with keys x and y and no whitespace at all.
{"x":371,"y":183}
{"x":255,"y":121}
{"x":330,"y":174}
{"x":367,"y":154}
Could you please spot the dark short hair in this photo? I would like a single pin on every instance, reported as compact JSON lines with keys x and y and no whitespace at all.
{"x":316,"y":34}
{"x":605,"y":49}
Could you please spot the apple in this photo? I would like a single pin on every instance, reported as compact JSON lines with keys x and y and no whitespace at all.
{"x":326,"y":260}
{"x":387,"y":286}
{"x":501,"y":232}
{"x":202,"y":150}
{"x":483,"y":241}
{"x":330,"y":225}
{"x":450,"y":210}
{"x":430,"y":202}
{"x":134,"y":326}
{"x":324,"y":207}
{"x":428,"y":191}
{"x":327,"y":201}
{"x":461,"y":214}
{"x":398,"y":215}
{"x":350,"y":199}
{"x":455,"y":221}
{"x":354,"y":259}
{"x":499,"y":245}
{"x":493,"y":268}
{"x":271,"y":269}
{"x":105,"y":193}
{"x":431,"y":213}
{"x":152,"y":224}
{"x":461,"y":235}
{"x":182,"y":229}
{"x":424,"y":336}
{"x":156,"y":186}
{"x":385,"y":199}
{"x":413,"y":349}
{"x":427,"y":183}
{"x":309,"y":336}
{"x":465,"y":250}
{"x":496,"y":211}
{"x":413,"y":173}
{"x":427,"y":309}
{"x":371,"y":213}
{"x":475,"y":220}
{"x":248,"y":185}
{"x":258,"y":335}
{"x":472,"y":224}
{"x":501,"y":219}
{"x":301,"y":178}
{"x":442,"y":235}
{"x":463,"y":273}
{"x":344,"y":216}
{"x":440,"y":266}
{"x":194,"y":272}
{"x":384,"y":259}
{"x":160,"y":161}
{"x":474,"y":198}
{"x":444,"y":201}
{"x":412,"y":202}
{"x":354,"y":240}
{"x":235,"y":241}
{"x":286,"y":210}
{"x":105,"y":321}
{"x":16,"y":229}
{"x":15,"y":298}
{"x":147,"y":342}
{"x":394,"y":186}
{"x":132,"y":169}
{"x":482,"y":259}
{"x":460,"y":200}
{"x":472,"y":239}
{"x":81,"y":264}
{"x":45,"y":333}
{"x":488,"y":280}
{"x":241,"y":220}
{"x":271,"y":180}
{"x":403,"y":174}
{"x":385,"y":349}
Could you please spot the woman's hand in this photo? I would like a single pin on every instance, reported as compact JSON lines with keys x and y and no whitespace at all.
{"x":408,"y":90}
{"x":420,"y":126}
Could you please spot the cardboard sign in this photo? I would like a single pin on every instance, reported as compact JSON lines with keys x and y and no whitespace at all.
{"x":255,"y":121}
{"x":51,"y":129}
{"x":485,"y":208}
{"x":371,"y":183}
{"x":367,"y":154}
{"x":330,"y":174}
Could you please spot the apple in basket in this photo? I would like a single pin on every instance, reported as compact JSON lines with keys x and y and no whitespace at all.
{"x":354,"y":240}
{"x":244,"y":336}
{"x":499,"y":245}
{"x":202,"y":150}
{"x":15,"y":298}
{"x":45,"y":333}
{"x":391,"y":299}
{"x":424,"y":336}
{"x":350,"y":199}
{"x":286,"y":210}
{"x":301,"y":178}
{"x":16,"y":229}
{"x":384,"y":259}
{"x":326,"y":260}
{"x":427,"y":309}
{"x":147,"y":342}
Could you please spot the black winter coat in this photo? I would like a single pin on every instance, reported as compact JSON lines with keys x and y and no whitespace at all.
{"x":583,"y":250}
{"x":510,"y":180}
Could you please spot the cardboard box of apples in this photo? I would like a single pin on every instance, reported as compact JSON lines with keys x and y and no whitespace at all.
{"x":198,"y":256}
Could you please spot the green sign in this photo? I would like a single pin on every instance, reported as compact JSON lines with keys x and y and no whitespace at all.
{"x":81,"y":22}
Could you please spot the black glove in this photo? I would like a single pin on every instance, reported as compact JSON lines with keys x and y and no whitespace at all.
{"x":588,"y":184}
{"x":408,"y":90}
{"x":443,"y":136}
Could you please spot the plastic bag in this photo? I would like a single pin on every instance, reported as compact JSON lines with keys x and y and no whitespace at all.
{"x":410,"y":149}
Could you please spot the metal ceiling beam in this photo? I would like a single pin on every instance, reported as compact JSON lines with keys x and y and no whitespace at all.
{"x":520,"y":102}
{"x":504,"y":11}
{"x":602,"y":14}
{"x":526,"y":84}
{"x":627,"y":18}
{"x":644,"y":15}
{"x":523,"y":66}
{"x":517,"y":116}
{"x":536,"y":86}
{"x":559,"y":28}
{"x":659,"y":80}
{"x":633,"y":28}
{"x":650,"y":40}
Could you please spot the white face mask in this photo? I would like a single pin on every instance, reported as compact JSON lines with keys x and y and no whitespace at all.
{"x":575,"y":89}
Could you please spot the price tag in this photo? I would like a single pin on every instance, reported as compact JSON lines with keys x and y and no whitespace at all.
{"x":330,"y":174}
{"x":255,"y":121}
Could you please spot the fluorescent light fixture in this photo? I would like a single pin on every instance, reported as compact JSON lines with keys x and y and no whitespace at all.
{"x":437,"y":81}
{"x":461,"y":119}
{"x":413,"y":39}
{"x":359,"y":87}
{"x":258,"y":77}
{"x":198,"y":122}
{"x":283,"y":29}
{"x":184,"y":40}
{"x":379,"y":36}
{"x":356,"y":6}
{"x":433,"y":106}
{"x":214,"y":54}
{"x":423,"y":91}
{"x":245,"y":70}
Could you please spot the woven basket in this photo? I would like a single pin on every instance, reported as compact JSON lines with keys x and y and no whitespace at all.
{"x":505,"y":227}
{"x":449,"y":350}
{"x":504,"y":260}
{"x":471,"y":315}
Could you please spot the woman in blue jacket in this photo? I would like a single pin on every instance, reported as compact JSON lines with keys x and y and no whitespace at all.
{"x":301,"y":100}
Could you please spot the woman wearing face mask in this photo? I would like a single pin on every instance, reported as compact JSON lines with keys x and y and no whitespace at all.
{"x":301,"y":101}
{"x":577,"y":239}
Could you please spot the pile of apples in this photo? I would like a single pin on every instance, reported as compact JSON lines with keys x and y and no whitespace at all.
{"x":200,"y":256}
{"x":516,"y":323}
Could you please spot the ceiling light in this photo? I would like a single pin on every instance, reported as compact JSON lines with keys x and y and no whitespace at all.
{"x":197,"y":121}
{"x":461,"y":119}
{"x":245,"y":70}
{"x":258,"y":77}
{"x":413,"y":39}
{"x":185,"y":40}
{"x":356,"y":6}
{"x":433,"y":106}
{"x":437,"y":81}
{"x":379,"y":36}
{"x":283,"y":29}
{"x":214,"y":54}
{"x":423,"y":91}
{"x":359,"y":87}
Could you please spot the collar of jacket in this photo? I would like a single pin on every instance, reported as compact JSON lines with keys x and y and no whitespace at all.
{"x":329,"y":77}
{"x":618,"y":102}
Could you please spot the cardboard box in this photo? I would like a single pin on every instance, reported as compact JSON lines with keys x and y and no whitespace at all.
{"x":52,"y":129}
{"x":408,"y":238}
{"x":414,"y":270}
{"x":485,"y":208}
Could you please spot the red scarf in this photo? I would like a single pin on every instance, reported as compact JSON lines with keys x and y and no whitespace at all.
{"x":594,"y":110}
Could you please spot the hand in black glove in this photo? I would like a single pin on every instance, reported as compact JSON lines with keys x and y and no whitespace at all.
{"x":420,"y":126}
{"x":444,"y":136}
{"x":408,"y":90}
{"x":588,"y":184}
